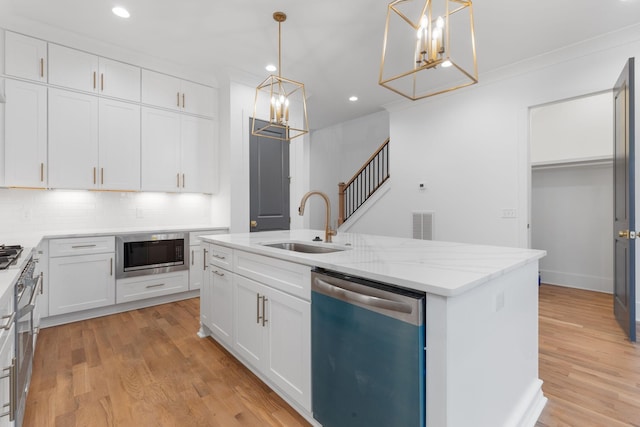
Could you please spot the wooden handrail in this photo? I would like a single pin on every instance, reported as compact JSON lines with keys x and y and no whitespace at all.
{"x":365,"y":164}
{"x":373,"y":173}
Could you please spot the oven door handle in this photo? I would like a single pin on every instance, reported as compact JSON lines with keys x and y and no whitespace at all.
{"x":32,"y":301}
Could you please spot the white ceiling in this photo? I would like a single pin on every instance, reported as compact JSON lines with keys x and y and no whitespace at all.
{"x":332,"y":46}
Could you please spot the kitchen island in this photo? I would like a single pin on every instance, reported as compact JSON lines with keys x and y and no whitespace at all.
{"x":481,"y":314}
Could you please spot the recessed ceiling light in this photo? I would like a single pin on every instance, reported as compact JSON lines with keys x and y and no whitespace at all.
{"x":353,"y":98}
{"x":121,"y":12}
{"x":271,"y":68}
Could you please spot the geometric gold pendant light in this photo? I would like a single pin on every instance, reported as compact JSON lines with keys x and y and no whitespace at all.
{"x":280,"y":103}
{"x":429,"y":47}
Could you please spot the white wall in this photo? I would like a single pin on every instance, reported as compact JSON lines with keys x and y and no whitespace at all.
{"x":337,"y":152}
{"x":572,"y":219}
{"x":37,"y":212}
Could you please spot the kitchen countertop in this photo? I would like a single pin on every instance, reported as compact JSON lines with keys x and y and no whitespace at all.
{"x":441,"y":268}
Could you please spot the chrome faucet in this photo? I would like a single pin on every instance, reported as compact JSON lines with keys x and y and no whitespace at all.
{"x":328,"y":232}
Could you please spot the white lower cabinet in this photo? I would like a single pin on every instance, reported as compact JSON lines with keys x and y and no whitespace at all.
{"x":81,"y":282}
{"x":273,"y":333}
{"x":155,"y":285}
{"x":220,"y":309}
{"x":268,"y":329}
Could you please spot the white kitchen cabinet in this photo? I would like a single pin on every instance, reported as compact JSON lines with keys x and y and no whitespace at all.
{"x":81,"y":282}
{"x":273,"y":333}
{"x":93,"y":143}
{"x":25,"y":134}
{"x":162,"y":90}
{"x":83,"y":71}
{"x":220,"y":283}
{"x":73,"y":140}
{"x":119,"y":145}
{"x":25,"y":57}
{"x":177,"y":152}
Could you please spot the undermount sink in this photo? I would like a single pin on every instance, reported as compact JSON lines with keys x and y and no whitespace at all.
{"x":303,"y":247}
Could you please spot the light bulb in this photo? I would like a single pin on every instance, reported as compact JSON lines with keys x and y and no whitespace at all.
{"x":440,"y":22}
{"x":121,"y":12}
{"x":446,"y":64}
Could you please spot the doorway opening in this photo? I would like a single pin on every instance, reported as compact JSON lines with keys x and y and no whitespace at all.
{"x":571,"y":153}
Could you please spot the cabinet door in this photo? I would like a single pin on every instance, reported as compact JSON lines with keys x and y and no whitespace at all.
{"x":289,"y":345}
{"x":161,"y":90}
{"x":80,"y":283}
{"x":197,"y":99}
{"x":197,"y":154}
{"x":221,"y":314}
{"x":119,"y":80}
{"x":25,"y":57}
{"x":73,"y":140}
{"x":119,"y":145}
{"x":249,"y":333}
{"x":73,"y":68}
{"x":196,"y":269}
{"x":25,"y":134}
{"x":160,"y":150}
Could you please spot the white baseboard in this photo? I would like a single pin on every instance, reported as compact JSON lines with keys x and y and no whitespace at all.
{"x":526,"y":414}
{"x":578,"y":281}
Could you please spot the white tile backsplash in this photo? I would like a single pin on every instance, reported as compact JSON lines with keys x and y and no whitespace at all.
{"x":51,"y":211}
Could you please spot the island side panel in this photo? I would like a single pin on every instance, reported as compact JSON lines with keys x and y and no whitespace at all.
{"x":482,"y":354}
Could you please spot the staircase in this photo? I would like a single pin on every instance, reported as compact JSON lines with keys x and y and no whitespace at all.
{"x":364,"y":183}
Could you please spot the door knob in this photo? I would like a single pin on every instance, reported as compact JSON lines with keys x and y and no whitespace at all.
{"x":254,"y":224}
{"x":623,"y":234}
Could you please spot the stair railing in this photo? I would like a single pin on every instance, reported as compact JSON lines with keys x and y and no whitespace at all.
{"x":364,"y":183}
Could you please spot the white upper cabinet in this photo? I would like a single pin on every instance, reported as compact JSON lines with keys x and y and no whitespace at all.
{"x":119,"y":145}
{"x":177,"y":152}
{"x":25,"y":57}
{"x":93,"y":143}
{"x":166,"y":91}
{"x":25,"y":134}
{"x":73,"y":140}
{"x":79,"y":70}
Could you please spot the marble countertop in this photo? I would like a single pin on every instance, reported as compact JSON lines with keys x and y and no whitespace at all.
{"x":442,"y":268}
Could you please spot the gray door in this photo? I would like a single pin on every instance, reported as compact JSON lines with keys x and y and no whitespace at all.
{"x":624,"y":295}
{"x":269,"y":182}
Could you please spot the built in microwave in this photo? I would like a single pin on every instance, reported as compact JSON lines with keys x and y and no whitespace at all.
{"x":153,"y":253}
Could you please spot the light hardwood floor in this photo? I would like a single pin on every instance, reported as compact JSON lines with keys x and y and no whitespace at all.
{"x":148,"y":368}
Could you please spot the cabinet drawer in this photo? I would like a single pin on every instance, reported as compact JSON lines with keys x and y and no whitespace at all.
{"x":294,"y":279}
{"x":138,"y":288}
{"x":81,"y":246}
{"x":220,"y":256}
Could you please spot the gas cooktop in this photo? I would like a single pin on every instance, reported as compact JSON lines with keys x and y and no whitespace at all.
{"x":8,"y":255}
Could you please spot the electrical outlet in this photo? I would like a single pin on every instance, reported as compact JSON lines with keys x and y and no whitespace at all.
{"x":509,"y":213}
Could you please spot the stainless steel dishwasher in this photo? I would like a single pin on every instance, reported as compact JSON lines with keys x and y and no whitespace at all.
{"x":368,"y":352}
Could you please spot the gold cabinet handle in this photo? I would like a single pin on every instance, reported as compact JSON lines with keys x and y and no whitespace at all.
{"x":264,"y":310}
{"x":217,"y":273}
{"x":192,"y":257}
{"x":94,"y":79}
{"x":94,"y":176}
{"x":110,"y":266}
{"x":204,"y":259}
{"x":42,"y":67}
{"x":102,"y":81}
{"x":178,"y":180}
{"x":182,"y":180}
{"x":101,"y":175}
{"x":253,"y":224}
{"x":154,"y":286}
{"x":41,"y":172}
{"x":178,"y":99}
{"x":258,"y":317}
{"x":183,"y":100}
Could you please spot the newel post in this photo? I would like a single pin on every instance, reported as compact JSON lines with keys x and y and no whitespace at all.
{"x":341,"y":187}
